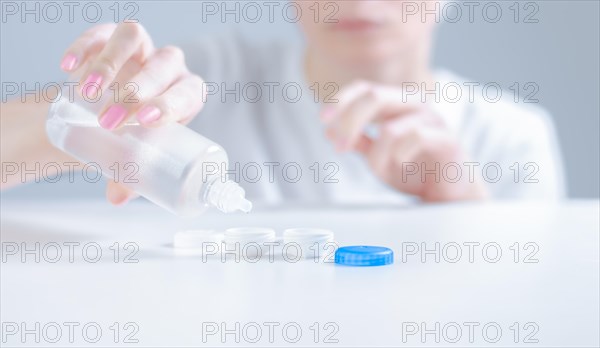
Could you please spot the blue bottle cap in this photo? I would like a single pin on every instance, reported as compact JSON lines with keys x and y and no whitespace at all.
{"x":362,"y":255}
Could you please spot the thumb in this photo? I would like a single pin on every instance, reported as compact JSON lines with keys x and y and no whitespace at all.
{"x":118,"y":194}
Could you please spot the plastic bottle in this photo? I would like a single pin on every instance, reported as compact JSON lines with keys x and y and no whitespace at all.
{"x":172,"y":166}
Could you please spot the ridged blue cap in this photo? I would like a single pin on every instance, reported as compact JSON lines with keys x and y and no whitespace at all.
{"x":362,"y":255}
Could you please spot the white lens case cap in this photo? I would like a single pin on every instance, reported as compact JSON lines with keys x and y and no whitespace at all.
{"x":307,"y":235}
{"x":195,"y":238}
{"x":249,"y":234}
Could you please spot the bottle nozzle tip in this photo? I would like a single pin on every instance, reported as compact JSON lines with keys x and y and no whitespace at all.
{"x":228,"y":197}
{"x":246,"y":206}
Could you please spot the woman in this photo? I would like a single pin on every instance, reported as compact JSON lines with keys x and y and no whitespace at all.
{"x":362,"y":126}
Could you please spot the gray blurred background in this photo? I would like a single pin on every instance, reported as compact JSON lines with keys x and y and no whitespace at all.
{"x":560,"y":53}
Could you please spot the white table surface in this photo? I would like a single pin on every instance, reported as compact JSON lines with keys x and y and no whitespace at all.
{"x":174,"y":300}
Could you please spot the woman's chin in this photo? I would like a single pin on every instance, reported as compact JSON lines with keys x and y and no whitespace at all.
{"x":365,"y":60}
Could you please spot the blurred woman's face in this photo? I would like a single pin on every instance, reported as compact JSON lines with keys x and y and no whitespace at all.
{"x":359,"y":33}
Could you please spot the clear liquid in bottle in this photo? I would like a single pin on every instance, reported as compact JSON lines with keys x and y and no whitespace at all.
{"x":172,"y":166}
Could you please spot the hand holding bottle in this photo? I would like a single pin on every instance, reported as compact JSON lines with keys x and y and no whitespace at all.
{"x":152,"y":84}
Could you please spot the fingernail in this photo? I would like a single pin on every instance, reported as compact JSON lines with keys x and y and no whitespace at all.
{"x":69,"y":62}
{"x":341,"y":145}
{"x":327,"y":113}
{"x":92,"y":85}
{"x":148,"y":114}
{"x":117,"y":197}
{"x":330,"y":134}
{"x":112,"y":117}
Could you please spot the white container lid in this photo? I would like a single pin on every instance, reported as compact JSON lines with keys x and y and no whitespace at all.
{"x":307,"y":235}
{"x":195,"y":238}
{"x":249,"y":234}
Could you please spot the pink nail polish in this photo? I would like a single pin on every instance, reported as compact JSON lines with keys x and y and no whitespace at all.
{"x":112,"y":117}
{"x":69,"y":62}
{"x":91,"y":86}
{"x":118,"y":198}
{"x":327,"y":113}
{"x":148,"y":114}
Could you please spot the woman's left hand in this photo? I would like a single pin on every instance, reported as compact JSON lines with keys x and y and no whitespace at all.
{"x":412,"y":147}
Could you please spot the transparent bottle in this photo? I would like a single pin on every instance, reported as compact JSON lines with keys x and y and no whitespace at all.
{"x":172,"y":166}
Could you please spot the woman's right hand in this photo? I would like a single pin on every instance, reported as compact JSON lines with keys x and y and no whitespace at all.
{"x":152,"y":84}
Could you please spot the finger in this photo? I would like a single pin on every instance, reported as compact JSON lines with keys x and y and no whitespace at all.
{"x":413,"y":155}
{"x":128,"y":41}
{"x":355,"y":90}
{"x":90,"y":42}
{"x":161,"y":70}
{"x":376,"y":104}
{"x":364,"y":144}
{"x":392,"y":128}
{"x":379,"y":155}
{"x":345,"y":97}
{"x":118,"y":194}
{"x":401,"y":126}
{"x":351,"y":121}
{"x":400,"y":140}
{"x":180,"y":103}
{"x":409,"y":145}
